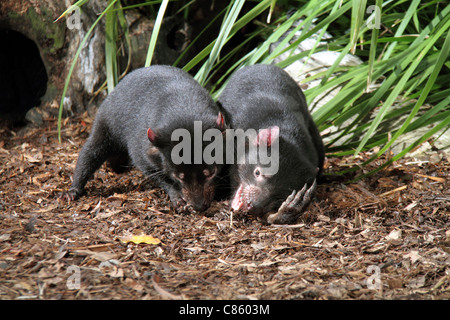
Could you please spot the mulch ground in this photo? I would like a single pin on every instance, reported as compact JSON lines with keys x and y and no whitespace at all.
{"x":384,"y":237}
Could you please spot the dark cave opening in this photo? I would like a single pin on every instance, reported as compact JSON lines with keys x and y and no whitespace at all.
{"x":23,"y":78}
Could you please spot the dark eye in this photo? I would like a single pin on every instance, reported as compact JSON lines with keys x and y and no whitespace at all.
{"x":257,"y":172}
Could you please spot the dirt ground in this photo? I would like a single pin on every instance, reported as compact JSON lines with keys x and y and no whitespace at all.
{"x":384,"y":237}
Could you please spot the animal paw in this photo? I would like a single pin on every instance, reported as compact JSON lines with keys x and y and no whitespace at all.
{"x":178,"y":203}
{"x":293,"y":206}
{"x":70,"y":195}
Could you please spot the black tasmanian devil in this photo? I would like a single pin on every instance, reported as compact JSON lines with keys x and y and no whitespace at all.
{"x":134,"y":125}
{"x":265,"y":99}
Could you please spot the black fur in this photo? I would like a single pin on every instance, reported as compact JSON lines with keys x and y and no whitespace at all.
{"x":263,"y":96}
{"x":161,"y":98}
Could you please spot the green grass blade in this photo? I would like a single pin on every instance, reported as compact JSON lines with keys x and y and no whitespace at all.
{"x":155,"y":32}
{"x":320,"y":8}
{"x":247,"y":18}
{"x":72,"y":66}
{"x":402,"y":59}
{"x":222,"y":39}
{"x":373,"y":50}
{"x":389,"y":101}
{"x":110,"y":46}
{"x":444,"y":124}
{"x":430,"y":82}
{"x":142,"y":4}
{"x":79,"y":3}
{"x":401,"y":28}
{"x":358,"y":10}
{"x":124,"y":27}
{"x":272,"y":7}
{"x":199,"y":36}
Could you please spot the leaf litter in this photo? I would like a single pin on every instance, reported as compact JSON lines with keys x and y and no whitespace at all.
{"x":396,"y":221}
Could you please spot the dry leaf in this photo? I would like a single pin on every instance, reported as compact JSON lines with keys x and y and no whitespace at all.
{"x":322,"y":257}
{"x":394,"y":235}
{"x":413,"y":255}
{"x":117,"y":196}
{"x":5,"y":237}
{"x":195,"y":250}
{"x":418,"y":282}
{"x":163,"y":292}
{"x":134,"y":284}
{"x":395,"y":283}
{"x":140,"y":239}
{"x":99,"y":256}
{"x":34,"y":158}
{"x":115,"y":272}
{"x":386,"y":182}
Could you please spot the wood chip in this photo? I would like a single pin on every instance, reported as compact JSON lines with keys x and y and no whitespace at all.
{"x":396,"y":221}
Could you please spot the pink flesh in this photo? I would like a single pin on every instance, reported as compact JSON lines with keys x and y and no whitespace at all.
{"x":237,"y":203}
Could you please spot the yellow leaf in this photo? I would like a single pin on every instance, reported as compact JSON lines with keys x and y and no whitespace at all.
{"x":140,"y":239}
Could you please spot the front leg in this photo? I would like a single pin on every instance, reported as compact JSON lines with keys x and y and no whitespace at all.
{"x":176,"y":197}
{"x":177,"y":200}
{"x":292,"y":207}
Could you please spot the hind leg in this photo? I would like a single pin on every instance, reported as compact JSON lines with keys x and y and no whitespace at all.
{"x":120,"y":162}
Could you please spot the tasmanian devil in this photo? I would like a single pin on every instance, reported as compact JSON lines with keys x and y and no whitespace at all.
{"x":134,"y":126}
{"x":265,"y":99}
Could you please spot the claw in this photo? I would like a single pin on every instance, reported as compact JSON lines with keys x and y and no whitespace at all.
{"x":293,"y":206}
{"x":309,"y":192}
{"x":287,"y":202}
{"x":298,"y":197}
{"x":300,"y":194}
{"x":70,"y":195}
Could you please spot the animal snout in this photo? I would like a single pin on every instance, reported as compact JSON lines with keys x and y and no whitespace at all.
{"x":200,"y":206}
{"x":197,"y":202}
{"x":199,"y":198}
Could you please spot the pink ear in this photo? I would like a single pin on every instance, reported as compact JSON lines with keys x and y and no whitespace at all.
{"x":220,"y":121}
{"x":151,"y":135}
{"x":268,"y":136}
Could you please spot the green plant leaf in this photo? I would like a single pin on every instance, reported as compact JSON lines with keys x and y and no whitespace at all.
{"x":110,"y":46}
{"x":72,"y":66}
{"x":155,"y":32}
